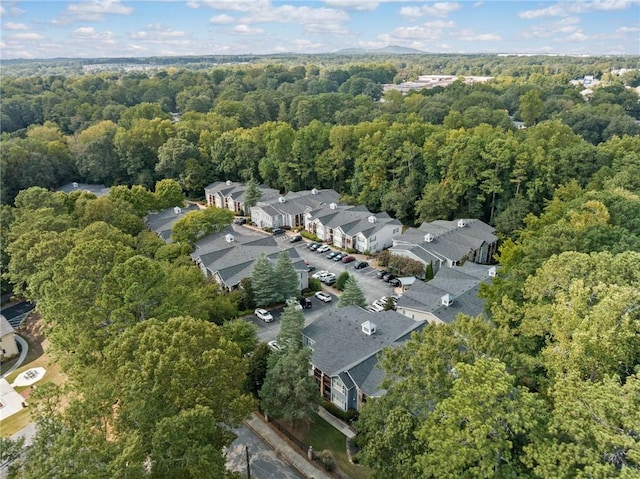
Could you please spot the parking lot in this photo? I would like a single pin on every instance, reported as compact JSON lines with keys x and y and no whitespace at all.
{"x":372,"y":287}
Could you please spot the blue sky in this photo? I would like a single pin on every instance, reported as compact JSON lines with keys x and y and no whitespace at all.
{"x":108,"y":28}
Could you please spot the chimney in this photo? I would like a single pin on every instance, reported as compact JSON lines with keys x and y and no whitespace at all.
{"x":368,"y":328}
{"x":447,"y":300}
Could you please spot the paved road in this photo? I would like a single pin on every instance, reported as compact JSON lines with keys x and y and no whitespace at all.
{"x":16,"y":313}
{"x":265,"y":463}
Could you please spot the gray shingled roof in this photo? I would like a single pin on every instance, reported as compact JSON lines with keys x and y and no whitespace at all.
{"x":297,"y":202}
{"x":162,"y":221}
{"x":340,"y":343}
{"x":462,"y":282}
{"x":233,"y":261}
{"x":449,"y":240}
{"x":368,"y":376}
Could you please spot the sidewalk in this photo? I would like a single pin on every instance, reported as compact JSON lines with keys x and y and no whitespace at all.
{"x":336,"y":423}
{"x":288,"y":453}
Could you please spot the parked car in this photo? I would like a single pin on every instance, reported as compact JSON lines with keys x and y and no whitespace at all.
{"x":388,"y":277}
{"x":264,"y":315}
{"x":332,"y":254}
{"x":295,"y":239}
{"x":323,"y":248}
{"x":293,"y":302}
{"x":305,"y":302}
{"x":278,"y":231}
{"x":339,"y":257}
{"x":376,"y":307}
{"x":348,"y":259}
{"x":320,"y":274}
{"x":313,"y":246}
{"x":322,"y":296}
{"x":310,"y":268}
{"x":274,"y":345}
{"x":240,"y":221}
{"x":381,"y":273}
{"x":360,"y":265}
{"x":395,"y":282}
{"x":330,"y":277}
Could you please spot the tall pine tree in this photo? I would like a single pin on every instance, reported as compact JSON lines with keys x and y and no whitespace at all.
{"x":286,"y":278}
{"x":265,"y":288}
{"x":352,"y":294}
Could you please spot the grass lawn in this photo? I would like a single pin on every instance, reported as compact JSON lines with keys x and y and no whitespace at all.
{"x":322,"y":435}
{"x":36,"y":357}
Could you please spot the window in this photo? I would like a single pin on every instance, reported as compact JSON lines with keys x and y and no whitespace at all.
{"x":396,"y":230}
{"x":338,"y":401}
{"x":338,"y":386}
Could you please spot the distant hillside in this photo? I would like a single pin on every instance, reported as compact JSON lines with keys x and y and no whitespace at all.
{"x":393,"y":49}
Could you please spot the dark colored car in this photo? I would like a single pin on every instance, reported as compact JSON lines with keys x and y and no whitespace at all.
{"x":348,"y":259}
{"x":395,"y":282}
{"x":310,"y":268}
{"x":286,"y":227}
{"x":240,"y":221}
{"x":388,"y":277}
{"x":295,"y":239}
{"x":380,"y":274}
{"x":339,"y":257}
{"x":278,"y":231}
{"x":360,"y":265}
{"x":305,"y":302}
{"x":332,"y":254}
{"x":313,"y":246}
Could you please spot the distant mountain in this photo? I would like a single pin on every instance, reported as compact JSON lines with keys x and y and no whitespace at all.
{"x":391,"y":49}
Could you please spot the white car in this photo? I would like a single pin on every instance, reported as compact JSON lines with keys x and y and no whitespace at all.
{"x":322,"y":296}
{"x":320,"y":274}
{"x":274,"y":345}
{"x":264,"y":315}
{"x":323,"y":249}
{"x":377,"y":307}
{"x":293,"y":302}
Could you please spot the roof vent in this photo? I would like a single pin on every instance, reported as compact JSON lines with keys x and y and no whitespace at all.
{"x":492,"y":271}
{"x":229,"y":238}
{"x":333,"y":206}
{"x":177,"y":210}
{"x":368,"y":328}
{"x":228,"y":182}
{"x":372,"y":219}
{"x":447,"y":300}
{"x":314,"y":191}
{"x":461,"y":224}
{"x":282,"y":199}
{"x":428,"y":237}
{"x":75,"y":185}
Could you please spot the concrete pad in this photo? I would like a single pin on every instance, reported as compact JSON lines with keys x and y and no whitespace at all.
{"x":29,"y":377}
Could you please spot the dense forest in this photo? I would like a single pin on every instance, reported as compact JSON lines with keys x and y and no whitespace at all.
{"x":547,"y":385}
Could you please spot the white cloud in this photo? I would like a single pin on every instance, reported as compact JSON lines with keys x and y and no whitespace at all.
{"x":564,"y":9}
{"x":15,"y":26}
{"x":440,"y":24}
{"x":2,"y":10}
{"x":576,"y":37}
{"x":221,"y":19}
{"x":94,"y":10}
{"x":471,"y":36}
{"x":438,"y":9}
{"x":360,"y":5}
{"x":99,"y":7}
{"x":475,"y":5}
{"x":26,"y":36}
{"x":623,"y":30}
{"x":565,"y":25}
{"x":304,"y":45}
{"x":246,"y":30}
{"x":298,"y":15}
{"x":232,"y":5}
{"x":157,"y":33}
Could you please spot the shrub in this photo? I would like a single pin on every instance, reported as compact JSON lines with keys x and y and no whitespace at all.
{"x":310,"y":236}
{"x":328,"y":460}
{"x":342,"y":279}
{"x":315,"y":284}
{"x":347,"y":416}
{"x":383,"y":258}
